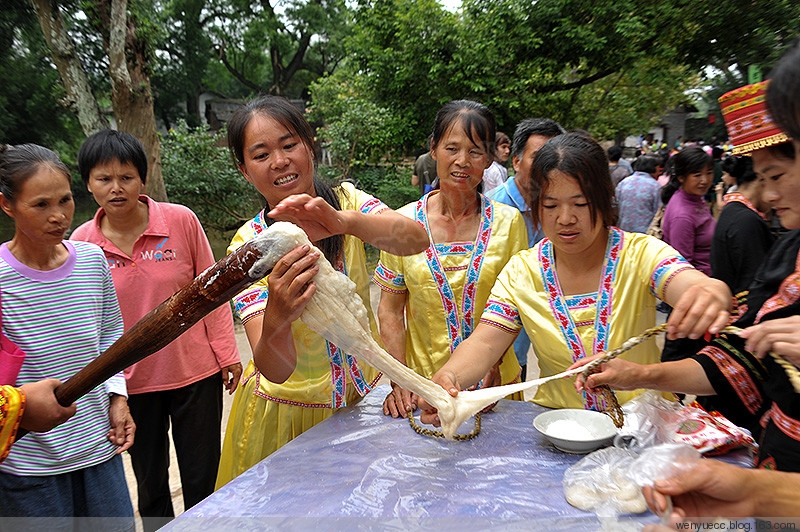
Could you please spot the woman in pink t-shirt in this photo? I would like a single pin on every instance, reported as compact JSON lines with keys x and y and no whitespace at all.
{"x":154,"y":249}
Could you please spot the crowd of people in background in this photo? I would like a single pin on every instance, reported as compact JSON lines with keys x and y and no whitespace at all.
{"x":483,"y":276}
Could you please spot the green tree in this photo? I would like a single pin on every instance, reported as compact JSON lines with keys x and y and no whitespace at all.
{"x":594,"y":65}
{"x":31,"y":92}
{"x":122,"y":29}
{"x":186,"y":52}
{"x":279,"y":47}
{"x":201,"y":175}
{"x":356,"y":131}
{"x":402,"y":53}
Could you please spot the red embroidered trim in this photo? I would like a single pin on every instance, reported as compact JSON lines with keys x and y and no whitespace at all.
{"x":391,"y":290}
{"x":672,"y":276}
{"x":738,"y":197}
{"x":788,"y":293}
{"x":787,"y":425}
{"x":499,"y":326}
{"x":257,"y":392}
{"x":742,"y":383}
{"x":253,"y":315}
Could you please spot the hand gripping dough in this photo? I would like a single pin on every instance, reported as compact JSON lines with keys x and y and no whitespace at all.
{"x":337,"y":313}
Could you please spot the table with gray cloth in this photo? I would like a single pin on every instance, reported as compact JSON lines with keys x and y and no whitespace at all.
{"x":362,"y":470}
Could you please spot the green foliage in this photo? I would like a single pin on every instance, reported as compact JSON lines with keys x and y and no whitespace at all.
{"x":632,"y":100}
{"x":278,"y":47}
{"x":609,"y":67}
{"x":30,"y":93}
{"x":356,"y":130}
{"x":402,"y":52}
{"x":200,"y":174}
{"x":384,"y":67}
{"x":733,"y":33}
{"x":391,"y":183}
{"x":185,"y":58}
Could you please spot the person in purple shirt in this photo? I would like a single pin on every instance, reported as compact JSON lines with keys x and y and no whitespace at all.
{"x":688,"y":225}
{"x":638,"y":195}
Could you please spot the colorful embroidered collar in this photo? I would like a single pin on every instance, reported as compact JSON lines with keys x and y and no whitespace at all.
{"x":561,"y":308}
{"x":458,"y":329}
{"x":738,"y":197}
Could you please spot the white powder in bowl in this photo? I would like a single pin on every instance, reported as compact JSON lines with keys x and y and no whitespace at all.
{"x":568,"y":429}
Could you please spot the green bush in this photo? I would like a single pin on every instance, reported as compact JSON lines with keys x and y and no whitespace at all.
{"x":389,"y":183}
{"x":199,"y":173}
{"x":358,"y":133}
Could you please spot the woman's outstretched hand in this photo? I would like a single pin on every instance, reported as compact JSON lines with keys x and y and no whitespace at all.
{"x":313,"y":215}
{"x":703,"y":305}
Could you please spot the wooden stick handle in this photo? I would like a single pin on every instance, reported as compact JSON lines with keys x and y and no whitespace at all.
{"x":170,"y":319}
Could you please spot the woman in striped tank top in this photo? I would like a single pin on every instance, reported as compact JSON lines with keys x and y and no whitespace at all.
{"x":60,"y":307}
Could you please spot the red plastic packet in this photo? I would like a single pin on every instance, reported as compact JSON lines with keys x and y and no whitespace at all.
{"x":711,"y":433}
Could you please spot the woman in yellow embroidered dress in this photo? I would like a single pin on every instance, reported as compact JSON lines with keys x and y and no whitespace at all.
{"x":587,"y":287}
{"x":429,"y":301}
{"x":297,"y":378}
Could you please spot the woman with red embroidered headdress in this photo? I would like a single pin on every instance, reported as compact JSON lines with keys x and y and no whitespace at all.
{"x":714,"y":488}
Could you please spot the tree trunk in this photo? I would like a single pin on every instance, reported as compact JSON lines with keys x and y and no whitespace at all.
{"x":131,"y":93}
{"x":79,"y":93}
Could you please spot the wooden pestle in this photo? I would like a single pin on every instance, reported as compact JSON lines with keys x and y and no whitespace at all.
{"x":215,"y":286}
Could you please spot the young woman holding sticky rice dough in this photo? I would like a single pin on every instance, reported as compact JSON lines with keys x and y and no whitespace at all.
{"x":429,"y":301}
{"x":60,"y":308}
{"x":296,"y":378}
{"x":584,"y":289}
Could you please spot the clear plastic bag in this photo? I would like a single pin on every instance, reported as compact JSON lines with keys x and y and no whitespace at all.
{"x":661,"y":462}
{"x":599,"y":483}
{"x":650,"y":420}
{"x":608,"y":482}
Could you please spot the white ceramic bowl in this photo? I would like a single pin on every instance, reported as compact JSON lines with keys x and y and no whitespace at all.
{"x":593,"y":431}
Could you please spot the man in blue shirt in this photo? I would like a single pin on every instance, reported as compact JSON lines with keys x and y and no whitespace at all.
{"x":530,"y":135}
{"x":639,"y":195}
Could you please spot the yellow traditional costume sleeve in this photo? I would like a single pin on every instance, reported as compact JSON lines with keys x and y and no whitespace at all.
{"x":12,"y":406}
{"x":266,"y":415}
{"x":564,"y":329}
{"x":448,"y":285}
